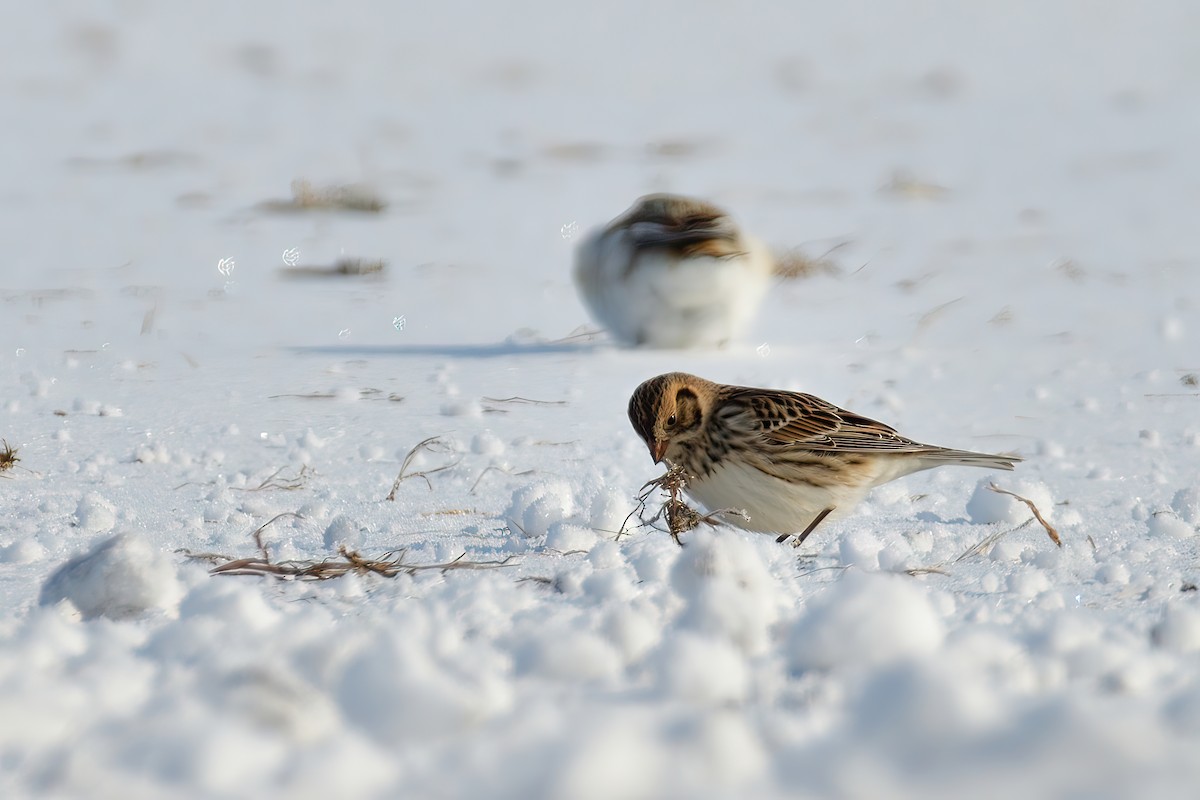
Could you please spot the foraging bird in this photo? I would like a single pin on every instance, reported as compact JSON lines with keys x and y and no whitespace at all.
{"x":673,"y":271}
{"x":787,"y":459}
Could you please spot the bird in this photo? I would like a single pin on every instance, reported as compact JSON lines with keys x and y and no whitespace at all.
{"x":673,"y":272}
{"x":787,"y":460}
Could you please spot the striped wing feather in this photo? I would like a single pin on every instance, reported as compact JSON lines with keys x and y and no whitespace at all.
{"x":802,"y":421}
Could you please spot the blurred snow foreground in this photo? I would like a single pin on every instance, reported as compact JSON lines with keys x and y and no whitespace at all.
{"x":1004,"y":196}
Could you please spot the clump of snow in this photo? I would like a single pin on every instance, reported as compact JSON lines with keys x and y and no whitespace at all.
{"x":538,"y":506}
{"x":1166,"y":524}
{"x":633,"y":630}
{"x":909,"y":708}
{"x":487,"y":443}
{"x":120,"y":577}
{"x":728,"y":589}
{"x":1186,"y":503}
{"x":412,"y":682}
{"x":865,"y":619}
{"x":860,"y":549}
{"x":1179,"y":629}
{"x":571,"y":656}
{"x":702,"y":669}
{"x":608,"y":510}
{"x":344,"y":531}
{"x":24,"y":551}
{"x":566,"y":537}
{"x":987,"y":506}
{"x":151,"y":453}
{"x":95,"y":513}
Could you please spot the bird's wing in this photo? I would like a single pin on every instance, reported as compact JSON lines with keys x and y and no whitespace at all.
{"x":676,"y":222}
{"x":801,"y":421}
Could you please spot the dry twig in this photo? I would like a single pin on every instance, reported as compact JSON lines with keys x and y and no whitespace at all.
{"x":426,"y":444}
{"x":494,"y":468}
{"x":343,"y":267}
{"x":983,"y":546}
{"x":525,"y":400}
{"x":285,"y":483}
{"x":1053,"y":534}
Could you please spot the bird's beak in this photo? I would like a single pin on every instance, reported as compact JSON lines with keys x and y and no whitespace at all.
{"x":658,"y":450}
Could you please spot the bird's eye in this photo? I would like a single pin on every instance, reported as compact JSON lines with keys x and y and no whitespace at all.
{"x":671,"y":421}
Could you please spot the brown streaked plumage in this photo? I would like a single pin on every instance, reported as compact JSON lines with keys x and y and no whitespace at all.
{"x":788,"y":459}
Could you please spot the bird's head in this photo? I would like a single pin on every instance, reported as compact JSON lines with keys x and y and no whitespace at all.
{"x":669,"y":410}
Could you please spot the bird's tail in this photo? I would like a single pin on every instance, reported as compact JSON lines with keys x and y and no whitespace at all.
{"x":945,"y":457}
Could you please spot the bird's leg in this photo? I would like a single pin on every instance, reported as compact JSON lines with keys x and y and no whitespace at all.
{"x":812,"y":526}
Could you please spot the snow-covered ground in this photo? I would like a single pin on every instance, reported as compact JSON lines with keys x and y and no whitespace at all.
{"x":1009,"y":191}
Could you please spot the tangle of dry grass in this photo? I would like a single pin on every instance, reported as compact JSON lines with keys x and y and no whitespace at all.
{"x":388,"y":565}
{"x":8,"y":456}
{"x":679,"y":516}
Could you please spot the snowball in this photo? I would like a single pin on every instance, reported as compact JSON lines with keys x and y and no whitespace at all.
{"x":1186,"y":504}
{"x":344,"y":531}
{"x":156,"y":453}
{"x":216,"y":512}
{"x":653,"y":561}
{"x":911,"y":708}
{"x":1184,"y":711}
{"x":728,"y":590}
{"x":896,"y":557}
{"x":466,"y":408}
{"x":566,"y":537}
{"x":986,"y":506}
{"x":120,"y":577}
{"x":608,"y":511}
{"x":1179,"y":629}
{"x":920,"y":541}
{"x":94,"y":513}
{"x":396,"y":689}
{"x":1166,"y":524}
{"x":573,"y":656}
{"x":610,"y":584}
{"x":861,"y":549}
{"x":865,"y":619}
{"x":487,"y":444}
{"x":237,"y":605}
{"x":702,"y":669}
{"x":1113,"y":572}
{"x":24,"y":551}
{"x":310,"y":440}
{"x":536,"y":507}
{"x":633,"y":633}
{"x":606,"y":555}
{"x":1028,"y":583}
{"x":619,"y":756}
{"x":1006,"y":550}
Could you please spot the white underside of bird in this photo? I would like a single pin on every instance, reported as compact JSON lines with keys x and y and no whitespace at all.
{"x":774,"y":505}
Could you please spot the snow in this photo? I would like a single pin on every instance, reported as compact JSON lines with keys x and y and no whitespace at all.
{"x":123,"y":576}
{"x":1009,"y":193}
